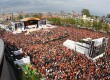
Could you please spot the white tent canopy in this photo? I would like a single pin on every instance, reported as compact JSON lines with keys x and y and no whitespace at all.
{"x":98,"y":41}
{"x":92,"y":49}
{"x":18,"y":52}
{"x":23,"y":61}
{"x":77,"y":46}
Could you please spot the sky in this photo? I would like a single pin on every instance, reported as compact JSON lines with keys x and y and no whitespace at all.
{"x":96,"y":7}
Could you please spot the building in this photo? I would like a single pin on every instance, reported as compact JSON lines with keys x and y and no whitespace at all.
{"x":106,"y":20}
{"x":6,"y":17}
{"x":85,"y":18}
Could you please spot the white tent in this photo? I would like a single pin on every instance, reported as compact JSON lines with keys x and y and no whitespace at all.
{"x":94,"y":49}
{"x":18,"y":52}
{"x":77,"y":46}
{"x":23,"y":61}
{"x":98,"y":41}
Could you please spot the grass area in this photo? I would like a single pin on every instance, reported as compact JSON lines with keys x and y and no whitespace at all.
{"x":27,"y":74}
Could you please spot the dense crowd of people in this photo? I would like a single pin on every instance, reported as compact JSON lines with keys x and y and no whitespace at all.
{"x":56,"y":62}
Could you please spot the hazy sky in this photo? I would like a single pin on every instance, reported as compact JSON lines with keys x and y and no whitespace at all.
{"x":96,"y":7}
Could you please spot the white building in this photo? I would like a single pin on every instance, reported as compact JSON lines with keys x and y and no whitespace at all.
{"x":85,"y":18}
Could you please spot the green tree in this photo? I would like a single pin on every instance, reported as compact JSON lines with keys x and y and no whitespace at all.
{"x":19,"y":17}
{"x":55,"y":21}
{"x":26,"y":15}
{"x":40,"y":15}
{"x":106,"y":27}
{"x":81,"y":22}
{"x":108,"y":16}
{"x":35,"y":15}
{"x":85,"y":12}
{"x":86,"y":23}
{"x":99,"y":25}
{"x":94,"y":24}
{"x":77,"y":21}
{"x":70,"y":21}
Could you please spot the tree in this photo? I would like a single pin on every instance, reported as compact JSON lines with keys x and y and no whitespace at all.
{"x":85,"y":12}
{"x":35,"y":15}
{"x":26,"y":15}
{"x":108,"y":16}
{"x":70,"y":21}
{"x":86,"y":23}
{"x":40,"y":15}
{"x":81,"y":23}
{"x":99,"y":25}
{"x":20,"y":17}
{"x":106,"y":27}
{"x":94,"y":24}
{"x":55,"y":21}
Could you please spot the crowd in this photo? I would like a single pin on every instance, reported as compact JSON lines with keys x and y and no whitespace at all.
{"x":56,"y":62}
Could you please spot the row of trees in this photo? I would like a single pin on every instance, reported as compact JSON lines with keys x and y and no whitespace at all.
{"x":27,"y":15}
{"x":86,"y":12}
{"x":96,"y":25}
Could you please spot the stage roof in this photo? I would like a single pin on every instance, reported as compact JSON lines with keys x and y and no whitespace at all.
{"x":29,"y":18}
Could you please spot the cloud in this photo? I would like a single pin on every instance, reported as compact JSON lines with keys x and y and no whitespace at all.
{"x":99,"y":7}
